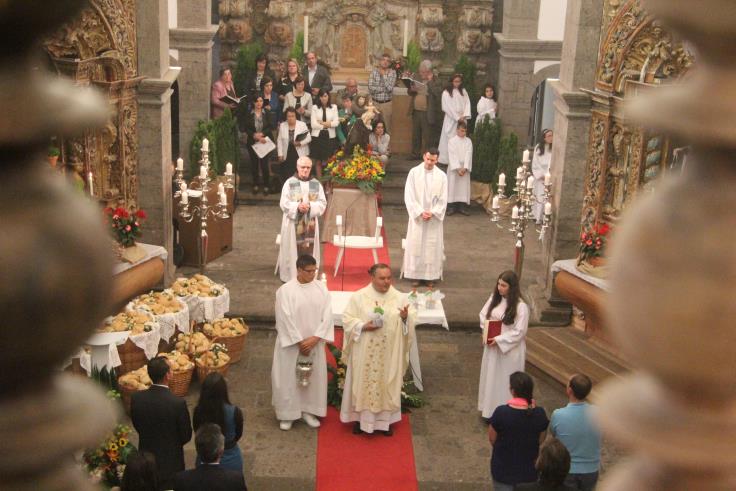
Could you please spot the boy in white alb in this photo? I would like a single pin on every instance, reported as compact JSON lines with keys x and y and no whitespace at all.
{"x":460,"y":153}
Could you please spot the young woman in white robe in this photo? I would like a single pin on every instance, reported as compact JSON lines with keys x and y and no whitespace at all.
{"x":507,"y":352}
{"x":487,"y":106}
{"x":456,"y":106}
{"x":540,"y":167}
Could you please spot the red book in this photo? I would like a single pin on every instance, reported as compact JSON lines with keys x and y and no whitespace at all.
{"x":491,"y":330}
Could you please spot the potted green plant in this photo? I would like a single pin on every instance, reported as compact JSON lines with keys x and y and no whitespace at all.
{"x":53,"y":156}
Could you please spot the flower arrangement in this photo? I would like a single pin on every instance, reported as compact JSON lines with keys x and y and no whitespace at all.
{"x":336,"y":384}
{"x":362,"y":169}
{"x":106,"y":463}
{"x":593,"y":241}
{"x":126,"y":225}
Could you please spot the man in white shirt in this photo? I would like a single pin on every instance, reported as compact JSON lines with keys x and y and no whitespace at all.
{"x":425,"y":196}
{"x":303,"y":325}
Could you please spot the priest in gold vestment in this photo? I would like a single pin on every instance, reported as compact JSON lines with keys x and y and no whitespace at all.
{"x":379,"y":330}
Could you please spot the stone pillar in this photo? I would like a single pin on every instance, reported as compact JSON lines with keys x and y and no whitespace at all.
{"x":572,"y":127}
{"x":154,"y":125}
{"x":193,"y":39}
{"x":518,"y":49}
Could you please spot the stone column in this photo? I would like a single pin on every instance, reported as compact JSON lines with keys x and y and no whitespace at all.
{"x":193,"y":39}
{"x":572,"y":127}
{"x":518,"y":49}
{"x":154,"y":124}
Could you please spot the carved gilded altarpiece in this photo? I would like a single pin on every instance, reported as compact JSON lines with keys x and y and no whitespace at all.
{"x":636,"y":55}
{"x":99,"y":49}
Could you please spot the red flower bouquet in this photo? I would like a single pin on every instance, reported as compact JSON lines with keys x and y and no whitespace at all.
{"x":126,"y":226}
{"x":593,"y":241}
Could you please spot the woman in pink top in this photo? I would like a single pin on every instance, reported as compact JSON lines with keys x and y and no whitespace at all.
{"x":222,"y":87}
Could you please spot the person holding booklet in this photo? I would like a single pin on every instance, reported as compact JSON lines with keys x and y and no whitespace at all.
{"x":292,"y":142}
{"x":504,"y":320}
{"x":257,"y":128}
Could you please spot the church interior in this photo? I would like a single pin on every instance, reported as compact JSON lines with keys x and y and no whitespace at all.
{"x":152,"y":217}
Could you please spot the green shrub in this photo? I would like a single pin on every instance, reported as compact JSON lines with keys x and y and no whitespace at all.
{"x":509,"y":158}
{"x":245,"y":63}
{"x":413,"y":57}
{"x":297,"y":50}
{"x":486,"y":146}
{"x":466,"y":67}
{"x":222,"y":134}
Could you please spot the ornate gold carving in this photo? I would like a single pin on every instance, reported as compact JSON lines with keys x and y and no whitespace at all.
{"x":595,"y":173}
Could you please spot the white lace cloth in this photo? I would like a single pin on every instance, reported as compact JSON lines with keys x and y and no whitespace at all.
{"x":569,"y":265}
{"x":207,"y":309}
{"x":168,"y":322}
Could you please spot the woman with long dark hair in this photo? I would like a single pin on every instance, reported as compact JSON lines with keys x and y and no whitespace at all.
{"x":516,"y":430}
{"x":257,"y":127}
{"x":140,"y":473}
{"x":487,"y":105}
{"x":325,"y":120}
{"x":456,"y":106}
{"x":299,"y":99}
{"x":214,"y":407}
{"x":540,"y":167}
{"x":553,"y":465}
{"x":506,"y":352}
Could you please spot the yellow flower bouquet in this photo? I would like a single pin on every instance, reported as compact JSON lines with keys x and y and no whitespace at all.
{"x":362,"y":169}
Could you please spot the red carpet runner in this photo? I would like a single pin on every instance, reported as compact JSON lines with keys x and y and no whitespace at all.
{"x":361,"y":462}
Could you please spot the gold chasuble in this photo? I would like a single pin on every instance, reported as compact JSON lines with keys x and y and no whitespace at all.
{"x":377,"y":360}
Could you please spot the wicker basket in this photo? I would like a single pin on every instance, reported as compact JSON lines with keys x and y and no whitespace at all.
{"x":203,"y":371}
{"x":234,"y":345}
{"x":179,"y":383}
{"x":125,"y":395}
{"x":131,"y":357}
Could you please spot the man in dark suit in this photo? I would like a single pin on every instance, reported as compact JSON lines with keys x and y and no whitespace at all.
{"x":162,"y":422}
{"x":316,"y":75}
{"x":210,"y":445}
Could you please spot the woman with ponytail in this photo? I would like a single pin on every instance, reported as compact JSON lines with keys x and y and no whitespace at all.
{"x":506,"y":352}
{"x":516,"y":430}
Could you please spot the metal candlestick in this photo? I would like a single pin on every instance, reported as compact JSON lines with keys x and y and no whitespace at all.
{"x":204,"y":211}
{"x":524,"y":200}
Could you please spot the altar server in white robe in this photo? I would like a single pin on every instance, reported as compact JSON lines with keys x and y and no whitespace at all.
{"x":303,"y":202}
{"x":425,"y":196}
{"x":456,"y":106}
{"x":303,"y":324}
{"x":540,"y":167}
{"x":506,"y":353}
{"x":487,"y":105}
{"x":460,"y":150}
{"x":376,"y":353}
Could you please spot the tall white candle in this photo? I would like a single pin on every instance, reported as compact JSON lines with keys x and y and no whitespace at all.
{"x":202,"y":172}
{"x":183,"y":187}
{"x":184,"y":196}
{"x":406,"y":38}
{"x":547,"y":179}
{"x":519,"y":172}
{"x":525,"y":157}
{"x":502,"y":179}
{"x":91,"y":184}
{"x":530,"y":182}
{"x":228,"y":169}
{"x":306,"y":33}
{"x":220,"y":188}
{"x":515,"y":212}
{"x":205,"y":145}
{"x":223,"y":198}
{"x":180,"y":164}
{"x":548,"y":208}
{"x":494,"y":205}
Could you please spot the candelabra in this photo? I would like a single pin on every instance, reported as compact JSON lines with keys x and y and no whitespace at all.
{"x":522,"y":213}
{"x":203,"y":211}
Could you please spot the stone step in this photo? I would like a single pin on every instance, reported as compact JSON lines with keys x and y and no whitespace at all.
{"x":560,"y":352}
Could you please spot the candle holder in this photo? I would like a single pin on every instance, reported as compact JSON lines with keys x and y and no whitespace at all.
{"x":522,"y":215}
{"x":204,"y":210}
{"x":179,"y":180}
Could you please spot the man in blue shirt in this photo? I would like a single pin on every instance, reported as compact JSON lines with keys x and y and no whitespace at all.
{"x":573,"y":427}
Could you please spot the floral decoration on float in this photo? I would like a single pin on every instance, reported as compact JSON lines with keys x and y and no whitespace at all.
{"x":362,"y":170}
{"x":126,"y":228}
{"x":591,"y":258}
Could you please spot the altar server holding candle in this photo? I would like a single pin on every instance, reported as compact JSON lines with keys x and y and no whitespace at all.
{"x":303,"y":325}
{"x":302,"y":201}
{"x":460,"y":151}
{"x":507,"y":352}
{"x":540,"y":168}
